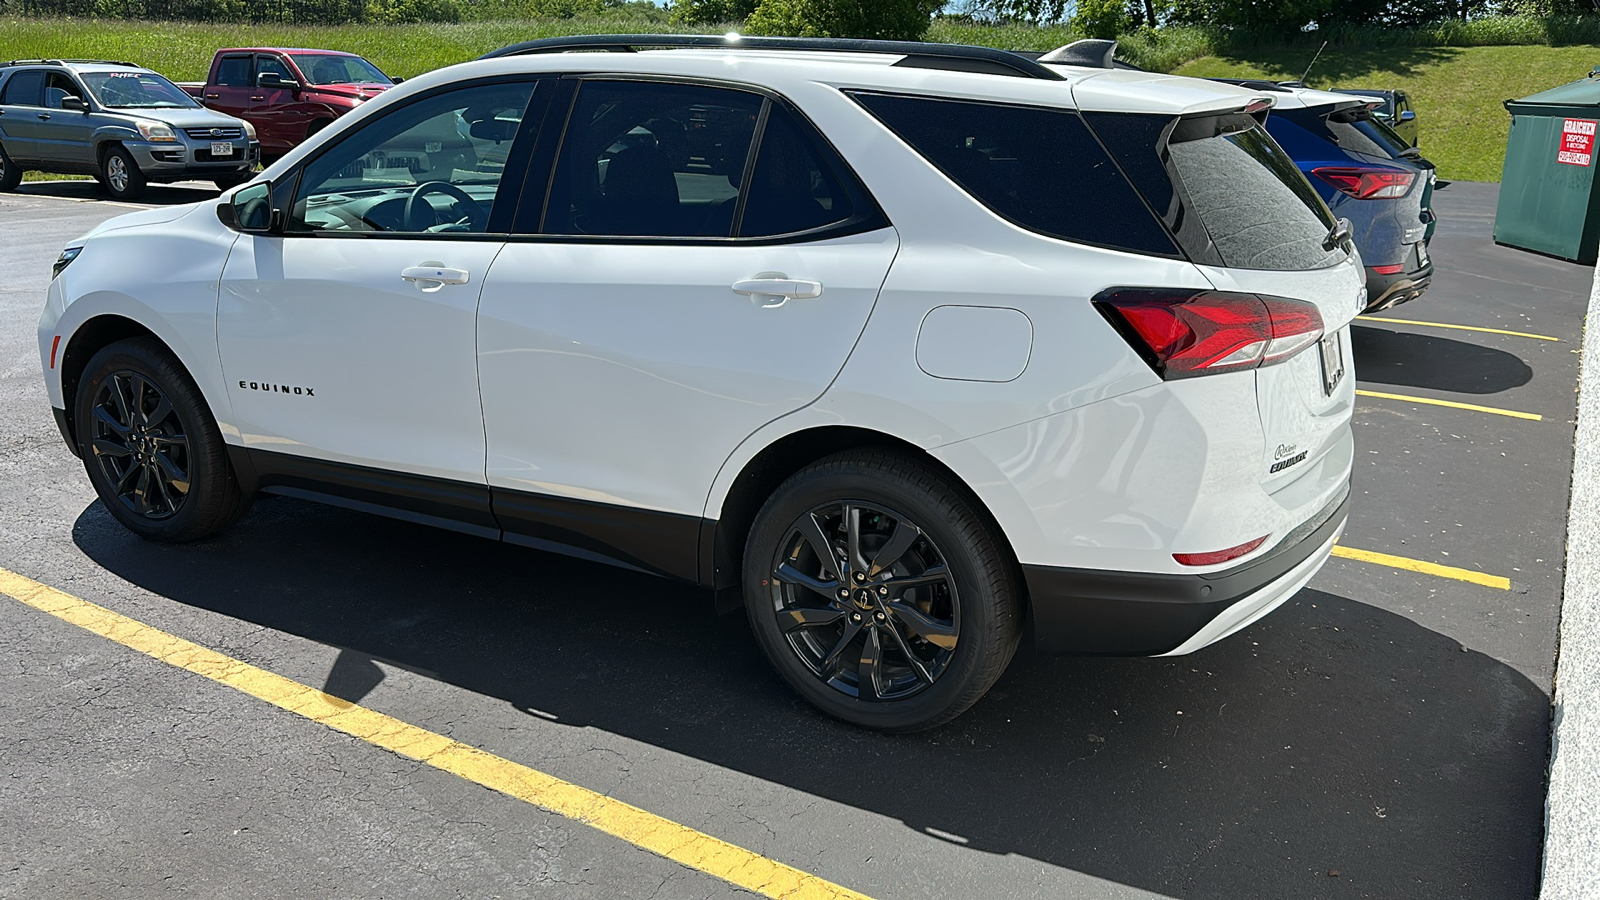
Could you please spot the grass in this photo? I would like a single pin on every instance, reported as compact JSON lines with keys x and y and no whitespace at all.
{"x":1457,"y":91}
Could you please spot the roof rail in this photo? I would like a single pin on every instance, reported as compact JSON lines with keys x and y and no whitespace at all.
{"x":955,"y":57}
{"x":63,"y":62}
{"x":1256,"y":84}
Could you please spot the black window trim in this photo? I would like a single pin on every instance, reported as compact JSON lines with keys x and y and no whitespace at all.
{"x":868,"y":217}
{"x":511,"y":183}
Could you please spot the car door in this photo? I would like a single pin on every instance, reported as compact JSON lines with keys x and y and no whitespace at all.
{"x":348,"y":339}
{"x":21,"y":104}
{"x":231,"y":86}
{"x":65,"y":135}
{"x":680,"y":292}
{"x":279,"y":120}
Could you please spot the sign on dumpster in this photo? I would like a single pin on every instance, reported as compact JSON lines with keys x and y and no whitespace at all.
{"x":1577,"y":142}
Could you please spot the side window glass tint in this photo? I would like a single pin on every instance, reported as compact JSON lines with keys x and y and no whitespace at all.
{"x":25,"y":89}
{"x":650,"y":159}
{"x":234,"y":71}
{"x":60,"y":88}
{"x":271,"y":65}
{"x":434,"y":166}
{"x":1037,"y":167}
{"x":792,"y":188}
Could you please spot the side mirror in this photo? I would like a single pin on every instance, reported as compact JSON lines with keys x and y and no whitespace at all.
{"x":74,"y":103}
{"x":251,"y":208}
{"x":394,"y":80}
{"x":276,"y":81}
{"x":1407,"y":116}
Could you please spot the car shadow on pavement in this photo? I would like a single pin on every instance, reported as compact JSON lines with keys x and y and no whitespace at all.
{"x":1332,"y":750}
{"x":88,"y":189}
{"x":1399,"y":358}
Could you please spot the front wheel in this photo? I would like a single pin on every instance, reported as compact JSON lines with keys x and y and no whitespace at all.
{"x":10,"y":174}
{"x":879,"y":592}
{"x":121,"y":176}
{"x":151,"y":447}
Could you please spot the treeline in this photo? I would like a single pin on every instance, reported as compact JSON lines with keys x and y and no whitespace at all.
{"x":337,"y":12}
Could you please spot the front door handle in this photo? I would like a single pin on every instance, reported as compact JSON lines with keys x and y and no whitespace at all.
{"x":212,"y":96}
{"x":434,"y":277}
{"x":44,"y":115}
{"x":769,"y":286}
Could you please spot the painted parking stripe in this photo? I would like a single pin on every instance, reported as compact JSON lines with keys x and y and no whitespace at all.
{"x":1537,"y":337}
{"x":645,"y":830}
{"x":1426,"y":568}
{"x":1492,"y":410}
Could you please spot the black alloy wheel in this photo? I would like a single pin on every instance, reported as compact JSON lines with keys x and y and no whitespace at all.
{"x":866,"y":601}
{"x":150,"y":445}
{"x":881,"y":591}
{"x":140,"y":445}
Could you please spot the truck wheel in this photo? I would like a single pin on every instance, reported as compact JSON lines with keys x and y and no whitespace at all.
{"x":121,"y":176}
{"x":151,"y":447}
{"x":879,"y":593}
{"x":10,"y":175}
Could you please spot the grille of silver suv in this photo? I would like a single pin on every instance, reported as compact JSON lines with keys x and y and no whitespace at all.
{"x":214,"y":134}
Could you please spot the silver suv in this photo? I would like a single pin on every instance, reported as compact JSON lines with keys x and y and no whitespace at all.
{"x":119,"y":122}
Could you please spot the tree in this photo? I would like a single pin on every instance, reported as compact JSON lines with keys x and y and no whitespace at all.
{"x":890,"y":20}
{"x":712,"y":12}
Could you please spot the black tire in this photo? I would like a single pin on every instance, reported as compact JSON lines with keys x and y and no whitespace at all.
{"x":317,"y":126}
{"x":151,"y":446}
{"x":962,"y":619}
{"x":10,"y":174}
{"x":229,"y":182}
{"x":120,"y":175}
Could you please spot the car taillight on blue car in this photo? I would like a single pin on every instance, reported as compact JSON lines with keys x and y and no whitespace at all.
{"x":1376,"y":183}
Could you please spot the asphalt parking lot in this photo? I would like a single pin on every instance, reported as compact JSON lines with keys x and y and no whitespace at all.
{"x":1382,"y":735}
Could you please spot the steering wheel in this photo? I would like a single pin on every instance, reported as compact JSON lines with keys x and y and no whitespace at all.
{"x":413,"y":219}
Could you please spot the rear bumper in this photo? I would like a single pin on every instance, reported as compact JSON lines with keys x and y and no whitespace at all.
{"x":1385,"y":291}
{"x":1102,"y":613}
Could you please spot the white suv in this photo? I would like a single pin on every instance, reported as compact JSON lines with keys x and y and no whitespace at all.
{"x":909,"y":349}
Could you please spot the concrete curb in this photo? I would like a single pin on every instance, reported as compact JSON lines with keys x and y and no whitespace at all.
{"x":1572,"y":807}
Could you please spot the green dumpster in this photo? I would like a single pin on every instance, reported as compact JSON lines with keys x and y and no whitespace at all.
{"x":1548,"y":197}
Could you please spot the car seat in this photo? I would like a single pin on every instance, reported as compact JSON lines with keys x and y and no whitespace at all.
{"x":640,"y":194}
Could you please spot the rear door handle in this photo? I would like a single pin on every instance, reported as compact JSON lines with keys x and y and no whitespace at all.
{"x":44,"y":115}
{"x":212,"y":96}
{"x":436,"y":276}
{"x":258,"y":98}
{"x":791,"y":288}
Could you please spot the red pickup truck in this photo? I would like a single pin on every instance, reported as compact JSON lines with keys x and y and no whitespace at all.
{"x":287,"y":94}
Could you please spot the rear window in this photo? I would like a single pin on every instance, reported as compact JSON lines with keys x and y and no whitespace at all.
{"x":1037,"y":167}
{"x":1255,"y":205}
{"x":1350,"y":129}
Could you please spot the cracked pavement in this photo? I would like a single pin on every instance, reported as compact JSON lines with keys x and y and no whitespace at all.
{"x":1383,"y":726}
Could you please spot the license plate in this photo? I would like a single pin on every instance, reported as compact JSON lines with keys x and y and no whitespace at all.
{"x":1332,"y":363}
{"x":221,"y":148}
{"x":1422,"y":254}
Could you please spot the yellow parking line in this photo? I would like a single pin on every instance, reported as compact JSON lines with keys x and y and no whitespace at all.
{"x":1426,"y":568}
{"x":1535,"y":417}
{"x":651,"y":832}
{"x":1537,"y":337}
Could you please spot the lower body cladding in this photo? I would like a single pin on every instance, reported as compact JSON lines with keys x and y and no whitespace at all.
{"x":1090,"y":612}
{"x":1390,"y":286}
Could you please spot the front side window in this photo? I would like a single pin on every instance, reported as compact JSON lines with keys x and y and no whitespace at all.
{"x":321,"y":68}
{"x":25,"y":89}
{"x":234,"y":71}
{"x":60,"y":87}
{"x":136,"y":90}
{"x":1037,"y":167}
{"x":434,"y":166}
{"x":271,"y":65}
{"x":652,"y":159}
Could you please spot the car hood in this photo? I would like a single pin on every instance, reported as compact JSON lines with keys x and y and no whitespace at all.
{"x":183,"y":118}
{"x":156,"y":216}
{"x":353,"y":91}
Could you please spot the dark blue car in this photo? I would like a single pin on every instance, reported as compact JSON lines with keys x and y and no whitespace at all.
{"x":1366,"y":175}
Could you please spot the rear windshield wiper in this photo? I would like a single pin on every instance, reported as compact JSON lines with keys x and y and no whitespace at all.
{"x":1337,"y":235}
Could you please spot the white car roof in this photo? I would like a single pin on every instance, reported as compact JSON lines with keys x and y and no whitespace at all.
{"x":1105,"y":90}
{"x":1305,"y":98}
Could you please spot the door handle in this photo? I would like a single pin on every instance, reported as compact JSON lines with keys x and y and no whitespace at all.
{"x":44,"y":115}
{"x":212,"y":96}
{"x":258,"y":98}
{"x":437,"y":276}
{"x":779,"y":286}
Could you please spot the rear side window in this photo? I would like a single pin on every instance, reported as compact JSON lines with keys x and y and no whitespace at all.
{"x":25,"y":89}
{"x":1040,"y":168}
{"x":1256,"y":206}
{"x":234,"y":71}
{"x":794,"y":187}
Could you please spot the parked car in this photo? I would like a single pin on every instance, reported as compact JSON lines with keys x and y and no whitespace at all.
{"x":1393,"y":109}
{"x":287,"y":94}
{"x":1354,"y":164}
{"x":905,"y":368}
{"x":119,"y":122}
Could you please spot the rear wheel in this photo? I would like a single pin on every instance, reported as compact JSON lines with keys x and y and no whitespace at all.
{"x":10,"y":175}
{"x":151,"y":447}
{"x":879,"y":593}
{"x":121,"y":176}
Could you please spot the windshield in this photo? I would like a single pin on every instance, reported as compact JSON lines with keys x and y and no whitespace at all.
{"x":320,"y":68}
{"x":136,"y":90}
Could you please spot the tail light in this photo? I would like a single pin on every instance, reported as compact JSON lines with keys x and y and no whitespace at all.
{"x":1367,"y":184}
{"x":1219,"y":556}
{"x":1182,"y":333}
